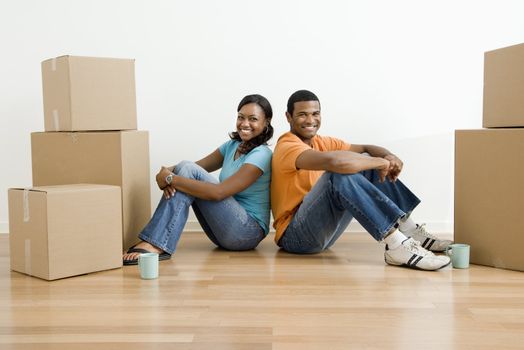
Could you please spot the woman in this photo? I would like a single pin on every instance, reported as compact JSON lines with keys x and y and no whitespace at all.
{"x":234,"y":212}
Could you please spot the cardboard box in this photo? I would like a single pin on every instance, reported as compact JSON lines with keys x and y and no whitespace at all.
{"x":489,"y":195}
{"x":63,"y":231}
{"x":119,"y":158}
{"x":89,"y":93}
{"x":504,"y":87}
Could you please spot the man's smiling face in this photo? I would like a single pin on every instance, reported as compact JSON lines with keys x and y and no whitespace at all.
{"x":305,"y":120}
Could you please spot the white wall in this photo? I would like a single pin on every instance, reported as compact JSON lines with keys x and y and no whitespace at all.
{"x":402,"y":74}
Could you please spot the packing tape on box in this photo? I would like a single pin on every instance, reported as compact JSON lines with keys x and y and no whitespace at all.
{"x":74,"y":137}
{"x":56,"y":120}
{"x":27,"y":257}
{"x":26,"y":205}
{"x":53,"y":64}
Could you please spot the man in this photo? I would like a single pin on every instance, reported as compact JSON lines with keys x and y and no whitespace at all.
{"x":320,"y":183}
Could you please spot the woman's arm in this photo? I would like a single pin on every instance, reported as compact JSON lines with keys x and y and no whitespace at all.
{"x":237,"y":182}
{"x":210,"y":163}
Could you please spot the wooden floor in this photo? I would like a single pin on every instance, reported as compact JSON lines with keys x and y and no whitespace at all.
{"x":206,"y":298}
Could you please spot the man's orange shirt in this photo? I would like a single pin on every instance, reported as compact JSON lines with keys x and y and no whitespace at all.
{"x":289,"y":185}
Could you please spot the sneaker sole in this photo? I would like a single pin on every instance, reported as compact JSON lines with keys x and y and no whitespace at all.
{"x":437,"y":251}
{"x":413,"y":267}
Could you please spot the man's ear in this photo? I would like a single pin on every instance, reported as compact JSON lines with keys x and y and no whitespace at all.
{"x":288,"y":117}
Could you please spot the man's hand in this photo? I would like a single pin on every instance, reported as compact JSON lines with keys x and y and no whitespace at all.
{"x":383,"y":169}
{"x":161,"y":177}
{"x":395,"y":167}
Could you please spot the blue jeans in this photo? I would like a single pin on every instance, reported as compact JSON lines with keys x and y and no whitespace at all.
{"x":225,"y":222}
{"x":337,"y":198}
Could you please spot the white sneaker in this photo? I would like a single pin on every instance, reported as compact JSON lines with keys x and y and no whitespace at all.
{"x":412,"y":255}
{"x":427,"y":240}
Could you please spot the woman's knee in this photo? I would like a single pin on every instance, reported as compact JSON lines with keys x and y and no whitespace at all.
{"x":303,"y":247}
{"x":185,"y":168}
{"x":234,"y":247}
{"x":239,"y":245}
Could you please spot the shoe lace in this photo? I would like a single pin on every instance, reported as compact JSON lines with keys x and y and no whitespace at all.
{"x":421,"y":229}
{"x":414,"y":247}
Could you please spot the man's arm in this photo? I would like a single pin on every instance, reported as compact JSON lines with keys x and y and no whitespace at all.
{"x":343,"y":162}
{"x":396,"y":164}
{"x":374,"y":151}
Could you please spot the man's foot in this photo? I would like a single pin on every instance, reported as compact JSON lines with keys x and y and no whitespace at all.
{"x":427,"y":240}
{"x":412,"y":255}
{"x":131,"y":258}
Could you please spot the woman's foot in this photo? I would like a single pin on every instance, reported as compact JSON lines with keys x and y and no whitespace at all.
{"x":142,"y":245}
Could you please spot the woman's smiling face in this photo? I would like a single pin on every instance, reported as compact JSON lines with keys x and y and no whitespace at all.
{"x":251,"y":121}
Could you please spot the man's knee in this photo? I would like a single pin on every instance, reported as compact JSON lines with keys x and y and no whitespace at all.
{"x":353,"y":180}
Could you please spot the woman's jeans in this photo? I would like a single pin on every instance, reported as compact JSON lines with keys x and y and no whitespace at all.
{"x":225,"y":222}
{"x":337,"y":198}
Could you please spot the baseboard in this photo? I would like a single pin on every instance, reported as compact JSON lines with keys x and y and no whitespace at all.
{"x":445,"y":228}
{"x":354,"y":226}
{"x":4,"y":227}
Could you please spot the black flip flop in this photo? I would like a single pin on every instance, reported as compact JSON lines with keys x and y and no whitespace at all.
{"x":162,"y":256}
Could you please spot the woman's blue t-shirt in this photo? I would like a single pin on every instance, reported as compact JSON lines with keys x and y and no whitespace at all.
{"x":254,"y":199}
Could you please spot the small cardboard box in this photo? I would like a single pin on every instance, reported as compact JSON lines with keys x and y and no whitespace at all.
{"x":119,"y":158}
{"x":489,"y":195}
{"x":504,"y":87}
{"x":63,"y":231}
{"x":89,"y":93}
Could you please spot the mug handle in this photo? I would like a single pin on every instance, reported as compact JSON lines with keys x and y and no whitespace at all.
{"x":447,"y":251}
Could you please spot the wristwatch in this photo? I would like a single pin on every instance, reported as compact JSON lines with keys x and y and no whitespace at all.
{"x":169,"y":178}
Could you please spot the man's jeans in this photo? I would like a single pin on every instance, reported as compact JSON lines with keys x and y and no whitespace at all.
{"x":337,"y":198}
{"x":225,"y":222}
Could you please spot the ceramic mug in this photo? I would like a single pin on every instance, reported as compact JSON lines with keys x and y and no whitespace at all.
{"x":459,"y":254}
{"x":148,"y":265}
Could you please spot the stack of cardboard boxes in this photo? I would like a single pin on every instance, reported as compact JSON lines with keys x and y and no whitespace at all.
{"x":489,"y":167}
{"x":58,"y":229}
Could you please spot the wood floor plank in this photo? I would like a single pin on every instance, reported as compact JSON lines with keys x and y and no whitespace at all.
{"x":207,"y":298}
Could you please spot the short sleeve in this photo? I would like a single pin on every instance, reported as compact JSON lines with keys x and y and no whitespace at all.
{"x":224,"y":147}
{"x":260,"y":157}
{"x":334,"y":144}
{"x":289,"y":150}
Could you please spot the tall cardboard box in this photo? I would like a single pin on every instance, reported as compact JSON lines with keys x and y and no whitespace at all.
{"x":63,"y":231}
{"x":89,"y":93}
{"x":504,"y":87}
{"x":119,"y":158}
{"x":489,"y":195}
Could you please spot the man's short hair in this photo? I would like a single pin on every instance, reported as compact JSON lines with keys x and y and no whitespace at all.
{"x":300,"y":96}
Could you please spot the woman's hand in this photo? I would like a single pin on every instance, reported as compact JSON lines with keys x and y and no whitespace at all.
{"x":169,"y":192}
{"x":161,"y":177}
